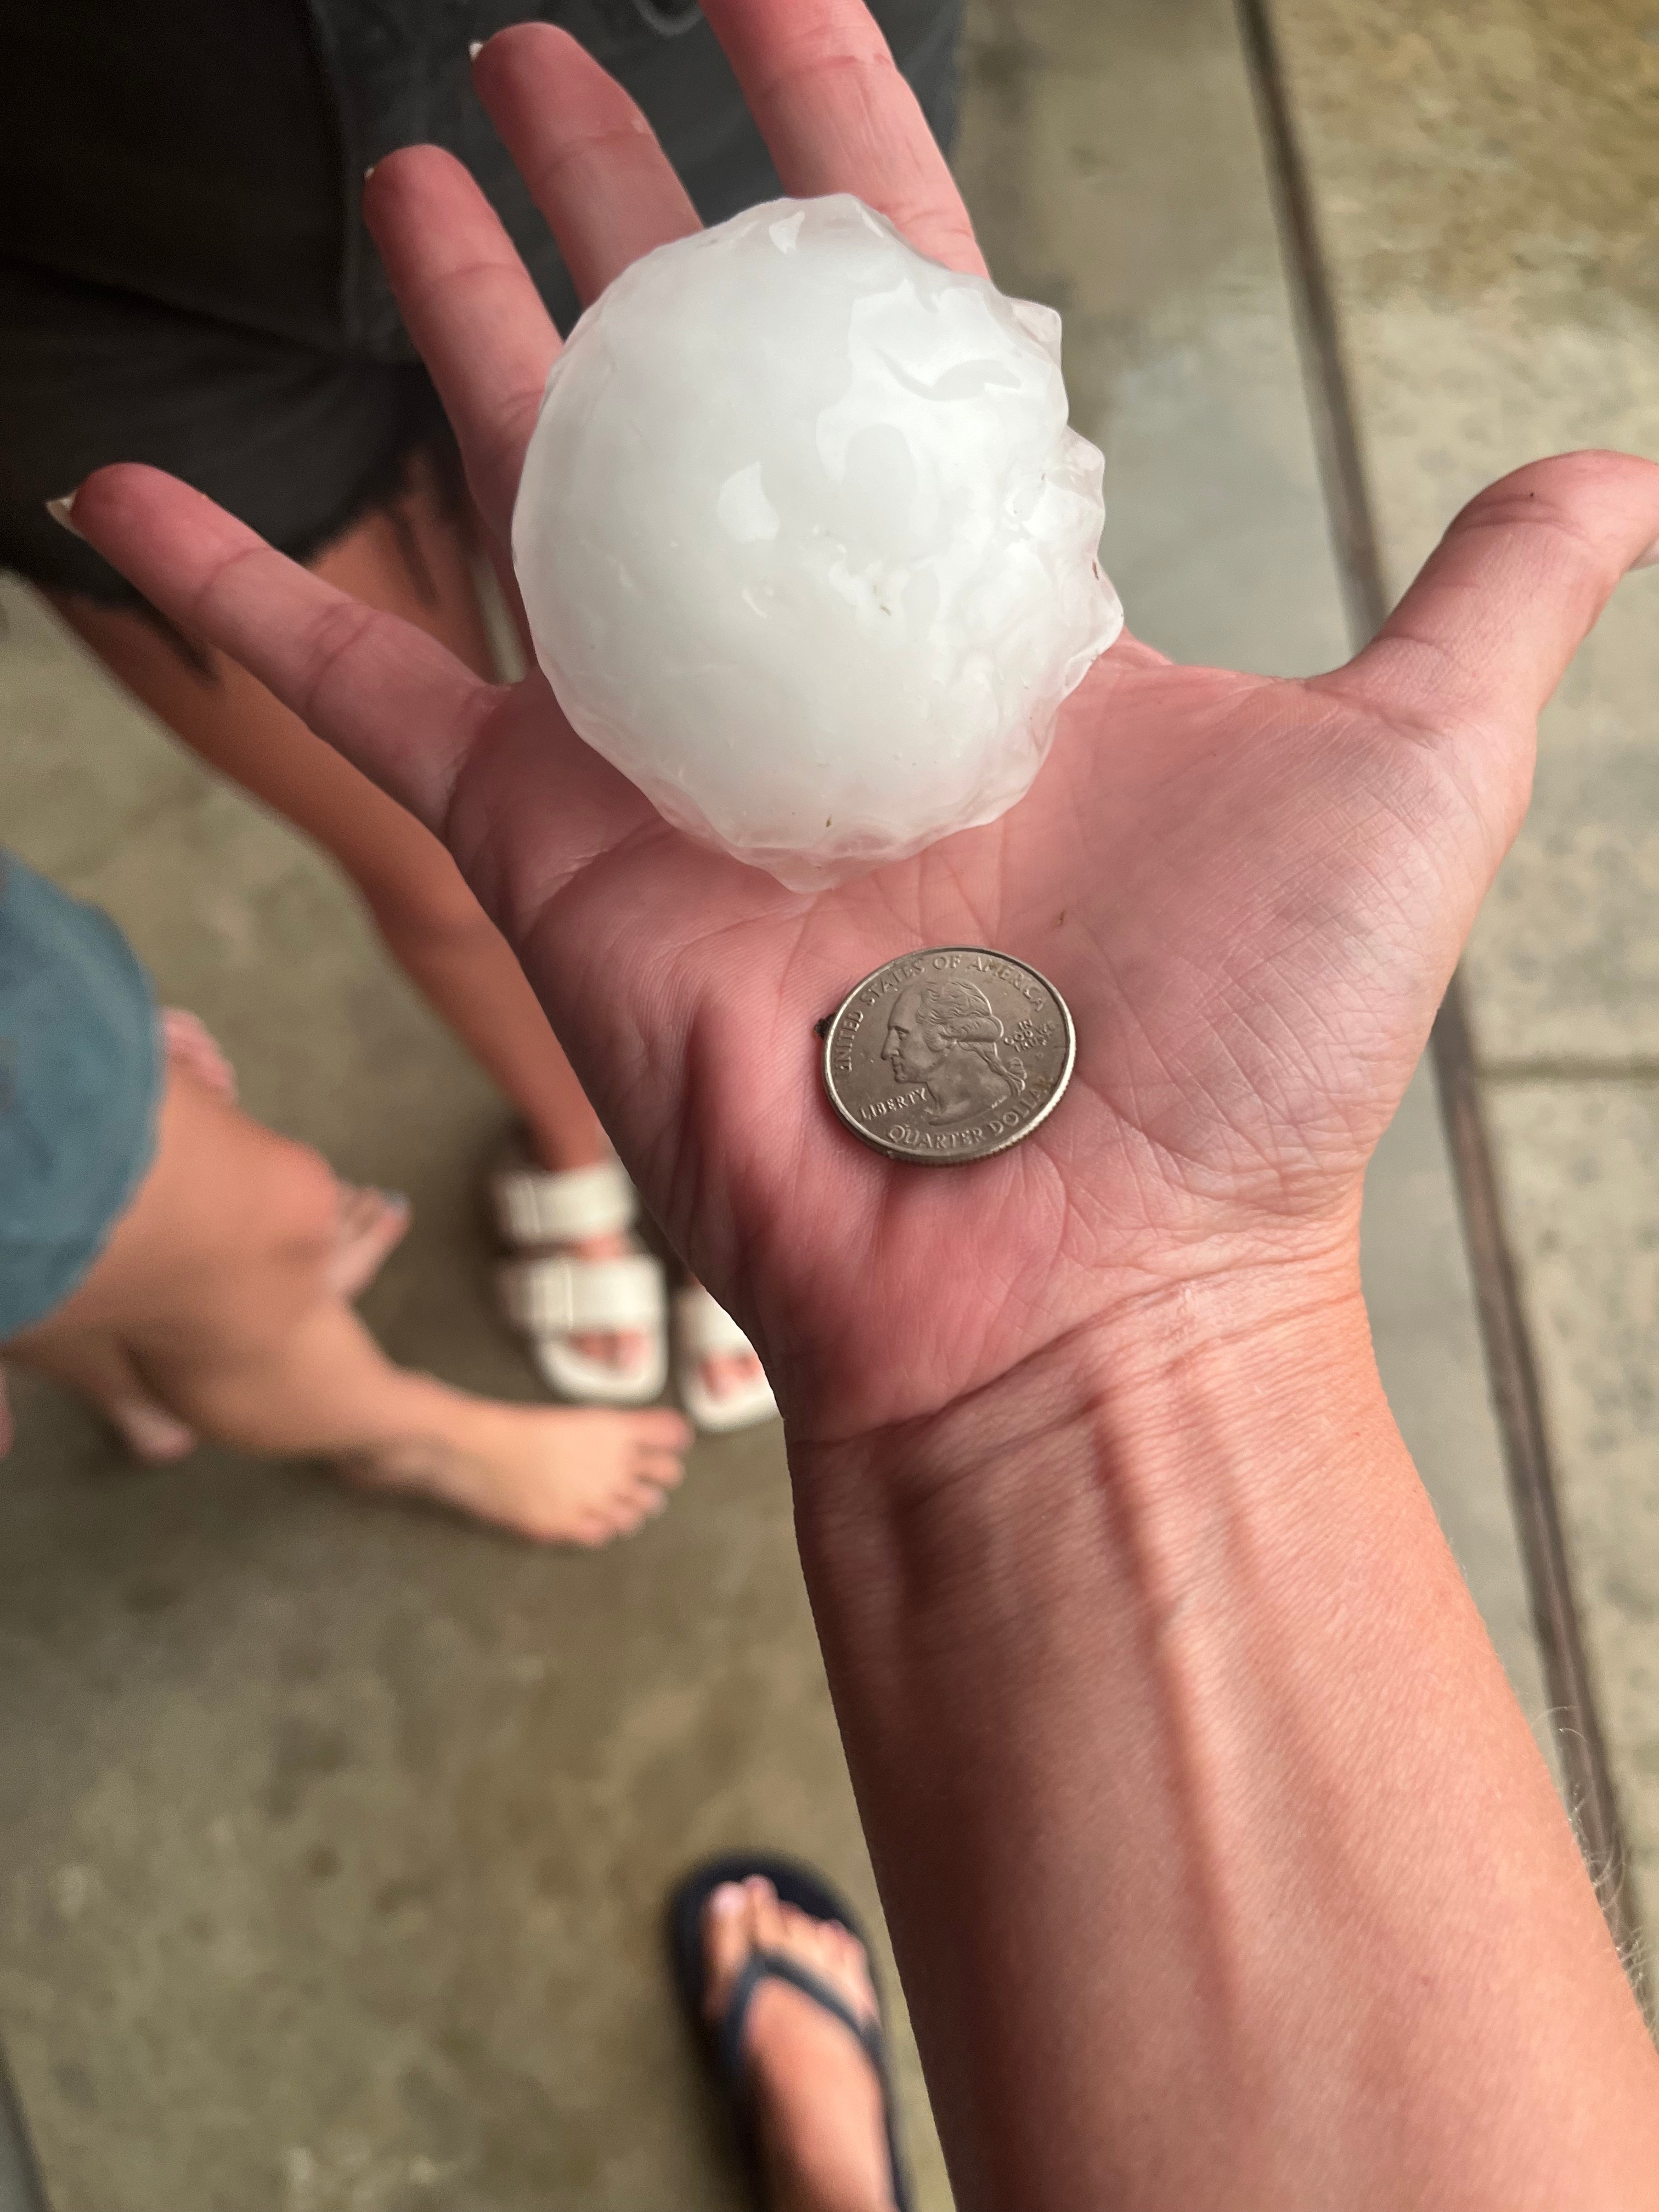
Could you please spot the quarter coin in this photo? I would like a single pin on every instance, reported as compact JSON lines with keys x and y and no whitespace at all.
{"x":949,"y":1055}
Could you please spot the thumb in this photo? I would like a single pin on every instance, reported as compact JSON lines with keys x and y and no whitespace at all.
{"x":1475,"y":647}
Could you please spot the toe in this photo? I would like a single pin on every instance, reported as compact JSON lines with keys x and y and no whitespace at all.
{"x":626,"y":1352}
{"x":663,"y":1429}
{"x":660,"y":1467}
{"x":150,"y":1432}
{"x":726,"y":1941}
{"x":726,"y":1373}
{"x":767,"y":1918}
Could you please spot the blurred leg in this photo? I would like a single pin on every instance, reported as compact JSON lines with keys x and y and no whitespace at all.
{"x":97,"y":1366}
{"x":216,"y":1290}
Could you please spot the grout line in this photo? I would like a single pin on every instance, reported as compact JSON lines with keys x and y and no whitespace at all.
{"x":1512,"y":1369}
{"x":21,"y":2187}
{"x":1564,"y":1069}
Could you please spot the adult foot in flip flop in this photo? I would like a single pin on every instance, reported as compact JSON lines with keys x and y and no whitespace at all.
{"x":818,"y":2100}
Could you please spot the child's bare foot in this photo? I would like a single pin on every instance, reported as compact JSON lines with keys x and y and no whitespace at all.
{"x":190,"y":1045}
{"x":372,"y":1223}
{"x":817,"y":2099}
{"x":96,"y":1365}
{"x":99,"y":1367}
{"x":557,"y":1474}
{"x":149,"y":1433}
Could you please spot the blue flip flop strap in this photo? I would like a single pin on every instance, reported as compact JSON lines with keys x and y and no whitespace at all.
{"x":774,"y":1966}
{"x":764,"y":1965}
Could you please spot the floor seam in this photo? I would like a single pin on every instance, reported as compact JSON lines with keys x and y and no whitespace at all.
{"x":1512,"y":1363}
{"x":1565,"y":1069}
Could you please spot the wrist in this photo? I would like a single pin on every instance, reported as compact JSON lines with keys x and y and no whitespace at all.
{"x":1148,"y":1660}
{"x":1259,"y":1372}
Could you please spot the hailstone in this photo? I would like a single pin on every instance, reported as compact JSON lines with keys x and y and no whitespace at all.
{"x":806,"y":545}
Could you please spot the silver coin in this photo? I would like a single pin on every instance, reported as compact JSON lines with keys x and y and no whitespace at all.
{"x":948,"y":1055}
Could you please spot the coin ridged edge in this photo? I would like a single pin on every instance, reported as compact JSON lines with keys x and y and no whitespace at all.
{"x":949,"y":1159}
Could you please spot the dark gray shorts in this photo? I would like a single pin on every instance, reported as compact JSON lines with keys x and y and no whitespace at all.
{"x":81,"y":1075}
{"x":185,"y":277}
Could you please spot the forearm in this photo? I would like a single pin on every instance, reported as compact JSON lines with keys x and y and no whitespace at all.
{"x":1220,"y":1862}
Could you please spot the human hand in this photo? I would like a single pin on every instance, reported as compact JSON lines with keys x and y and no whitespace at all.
{"x":1251,"y":892}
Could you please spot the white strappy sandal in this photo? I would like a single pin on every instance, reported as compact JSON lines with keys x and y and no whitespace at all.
{"x":703,"y":1329}
{"x":556,"y":1297}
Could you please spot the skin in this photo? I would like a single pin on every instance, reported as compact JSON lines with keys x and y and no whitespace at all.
{"x":216,"y":1309}
{"x":1221,"y":1867}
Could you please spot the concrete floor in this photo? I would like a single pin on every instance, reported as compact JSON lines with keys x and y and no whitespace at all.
{"x":1487,"y":177}
{"x":332,"y":1835}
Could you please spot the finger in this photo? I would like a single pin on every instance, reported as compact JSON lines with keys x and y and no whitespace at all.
{"x":837,"y":115}
{"x":589,"y":158}
{"x":389,"y":697}
{"x":467,"y":301}
{"x":1483,"y":637}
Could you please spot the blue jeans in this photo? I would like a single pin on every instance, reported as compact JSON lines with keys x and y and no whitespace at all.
{"x":81,"y":1075}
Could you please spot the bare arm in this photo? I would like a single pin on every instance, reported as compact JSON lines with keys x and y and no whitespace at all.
{"x":1222,"y":1866}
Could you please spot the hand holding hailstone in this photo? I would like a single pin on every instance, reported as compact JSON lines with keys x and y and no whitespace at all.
{"x":806,"y":544}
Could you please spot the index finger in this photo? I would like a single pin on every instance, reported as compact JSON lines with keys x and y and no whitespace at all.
{"x":837,"y":116}
{"x":467,"y":299}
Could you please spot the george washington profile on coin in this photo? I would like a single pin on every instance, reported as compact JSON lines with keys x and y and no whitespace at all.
{"x":948,"y":1055}
{"x":946,"y":1038}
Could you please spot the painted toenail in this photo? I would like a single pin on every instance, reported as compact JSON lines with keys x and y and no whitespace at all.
{"x":728,"y":1897}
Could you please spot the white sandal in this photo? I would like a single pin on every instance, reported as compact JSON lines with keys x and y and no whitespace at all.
{"x":558,"y":1297}
{"x":702,"y":1330}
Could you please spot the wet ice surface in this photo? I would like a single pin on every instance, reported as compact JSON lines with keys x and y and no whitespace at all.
{"x":806,"y":544}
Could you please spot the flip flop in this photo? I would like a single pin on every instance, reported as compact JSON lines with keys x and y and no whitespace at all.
{"x":809,"y":1892}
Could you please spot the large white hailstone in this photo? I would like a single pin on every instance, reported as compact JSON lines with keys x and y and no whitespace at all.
{"x":806,"y":545}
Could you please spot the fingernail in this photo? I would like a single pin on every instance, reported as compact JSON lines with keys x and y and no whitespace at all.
{"x":1649,"y":559}
{"x":62,"y":510}
{"x":475,"y":50}
{"x":728,"y":1897}
{"x":370,"y":170}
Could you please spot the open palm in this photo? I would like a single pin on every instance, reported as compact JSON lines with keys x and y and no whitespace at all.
{"x":1251,"y":892}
